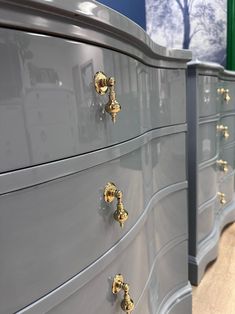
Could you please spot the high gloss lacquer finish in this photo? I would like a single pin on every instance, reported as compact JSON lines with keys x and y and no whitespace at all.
{"x":50,"y":109}
{"x":211,"y":171}
{"x":70,"y":176}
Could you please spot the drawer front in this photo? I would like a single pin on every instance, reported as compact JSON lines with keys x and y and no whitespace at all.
{"x":53,"y":111}
{"x":227,"y":154}
{"x":207,"y":141}
{"x":228,"y":121}
{"x":169,"y":274}
{"x":207,"y":183}
{"x":159,"y":275}
{"x":161,"y":159}
{"x":206,"y":219}
{"x":45,"y":228}
{"x":230,"y":105}
{"x":226,"y":186}
{"x":209,"y":101}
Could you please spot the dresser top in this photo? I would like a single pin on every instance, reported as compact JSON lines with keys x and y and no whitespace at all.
{"x":205,"y":65}
{"x":88,"y":21}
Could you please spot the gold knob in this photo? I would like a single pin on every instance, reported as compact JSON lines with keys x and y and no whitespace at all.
{"x":222,"y":198}
{"x":224,"y":130}
{"x":225,"y":93}
{"x":111,"y":192}
{"x":102,"y":84}
{"x":127,"y":303}
{"x":223,"y":165}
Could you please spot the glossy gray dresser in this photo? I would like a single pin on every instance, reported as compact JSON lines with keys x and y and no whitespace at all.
{"x":211,"y":108}
{"x":62,"y":250}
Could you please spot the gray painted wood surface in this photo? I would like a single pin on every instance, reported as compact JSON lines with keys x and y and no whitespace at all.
{"x":60,"y":246}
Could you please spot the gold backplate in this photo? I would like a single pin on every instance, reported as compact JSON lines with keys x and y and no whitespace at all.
{"x":101,"y":83}
{"x":117,"y":283}
{"x":109,"y":192}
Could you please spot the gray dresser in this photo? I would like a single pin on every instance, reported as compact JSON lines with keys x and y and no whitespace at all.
{"x":211,"y":161}
{"x":93,"y":214}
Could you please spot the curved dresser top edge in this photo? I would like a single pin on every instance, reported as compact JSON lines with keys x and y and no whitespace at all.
{"x":205,"y":65}
{"x":227,"y":75}
{"x":31,"y":176}
{"x":207,"y":68}
{"x":73,"y":20}
{"x":59,"y":294}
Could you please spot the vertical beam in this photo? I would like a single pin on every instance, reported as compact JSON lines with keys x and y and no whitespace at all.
{"x":231,"y":35}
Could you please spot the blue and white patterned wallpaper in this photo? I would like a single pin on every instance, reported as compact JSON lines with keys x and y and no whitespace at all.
{"x":198,"y":25}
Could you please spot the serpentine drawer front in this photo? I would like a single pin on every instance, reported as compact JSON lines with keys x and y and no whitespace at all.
{"x":207,"y":183}
{"x":227,"y":93}
{"x":207,"y":140}
{"x":153,"y":269}
{"x":93,"y":181}
{"x":211,"y":109}
{"x":57,"y":112}
{"x":208,"y":100}
{"x":229,"y":122}
{"x":227,"y":153}
{"x":58,"y":220}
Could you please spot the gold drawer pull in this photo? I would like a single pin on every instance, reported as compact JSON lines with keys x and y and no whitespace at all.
{"x":222,"y":198}
{"x":223,"y":165}
{"x":225,"y":93}
{"x":224,"y":130}
{"x":127,"y":303}
{"x":111,"y":192}
{"x":102,"y":84}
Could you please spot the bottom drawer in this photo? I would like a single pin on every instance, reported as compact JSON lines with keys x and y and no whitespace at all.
{"x":169,"y":275}
{"x":147,"y":256}
{"x":226,"y":186}
{"x":206,"y":219}
{"x":227,"y":153}
{"x":207,"y":183}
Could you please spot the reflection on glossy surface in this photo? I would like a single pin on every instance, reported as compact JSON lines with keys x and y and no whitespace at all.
{"x":229,"y":122}
{"x":207,"y":183}
{"x":209,"y":100}
{"x":160,"y":272}
{"x":228,"y":106}
{"x":40,"y":249}
{"x":208,"y":141}
{"x":206,"y":220}
{"x":50,"y":110}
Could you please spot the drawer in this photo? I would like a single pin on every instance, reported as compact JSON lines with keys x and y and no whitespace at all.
{"x":52,"y":231}
{"x":161,"y":159}
{"x":227,"y":153}
{"x":208,"y":99}
{"x":226,"y":186}
{"x":207,"y":183}
{"x":229,"y":122}
{"x":206,"y":219}
{"x":207,"y":141}
{"x":55,"y":112}
{"x":227,"y":105}
{"x":169,"y":275}
{"x":150,"y":282}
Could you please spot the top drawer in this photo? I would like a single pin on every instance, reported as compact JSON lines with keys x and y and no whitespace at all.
{"x":209,"y":101}
{"x":227,"y":96}
{"x":49,"y":108}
